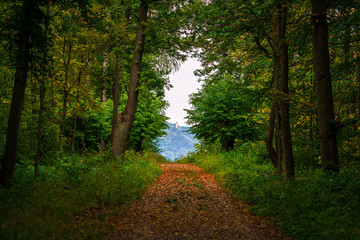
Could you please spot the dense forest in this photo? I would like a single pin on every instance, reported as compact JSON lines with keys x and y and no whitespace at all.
{"x":82,"y":107}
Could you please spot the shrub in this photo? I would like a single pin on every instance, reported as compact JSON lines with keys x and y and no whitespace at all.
{"x":44,"y":208}
{"x":316,"y":205}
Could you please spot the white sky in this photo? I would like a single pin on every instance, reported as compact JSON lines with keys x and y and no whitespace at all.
{"x":185,"y":83}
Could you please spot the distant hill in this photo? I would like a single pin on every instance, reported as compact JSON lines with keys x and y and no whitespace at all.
{"x":177,"y":143}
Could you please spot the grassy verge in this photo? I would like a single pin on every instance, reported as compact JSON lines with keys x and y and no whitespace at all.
{"x":315,"y":205}
{"x":46,"y":207}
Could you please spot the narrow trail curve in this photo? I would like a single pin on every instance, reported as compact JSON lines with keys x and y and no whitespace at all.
{"x":187,"y":203}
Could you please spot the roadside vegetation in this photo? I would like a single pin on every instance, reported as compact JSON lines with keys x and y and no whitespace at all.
{"x":314,"y":205}
{"x":71,"y":199}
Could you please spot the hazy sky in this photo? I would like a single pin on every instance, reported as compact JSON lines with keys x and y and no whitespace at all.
{"x":185,"y":83}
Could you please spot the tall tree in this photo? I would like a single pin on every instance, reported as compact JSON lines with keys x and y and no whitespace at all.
{"x":118,"y":72}
{"x":284,"y":88}
{"x":327,"y":126}
{"x":126,"y":118}
{"x":29,"y":22}
{"x":222,"y":111}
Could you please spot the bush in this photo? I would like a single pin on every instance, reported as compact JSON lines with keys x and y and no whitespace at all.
{"x":44,"y":208}
{"x":316,"y":205}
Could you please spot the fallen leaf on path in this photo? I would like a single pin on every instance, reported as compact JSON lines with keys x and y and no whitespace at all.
{"x":187,"y":203}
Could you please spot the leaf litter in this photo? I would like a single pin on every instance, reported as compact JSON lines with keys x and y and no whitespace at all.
{"x":187,"y":203}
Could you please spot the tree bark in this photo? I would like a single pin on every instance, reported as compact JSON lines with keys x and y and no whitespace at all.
{"x":277,"y":75}
{"x":104,"y":96}
{"x":126,"y":118}
{"x":284,"y":88}
{"x":66,"y":91}
{"x":18,"y":95}
{"x":116,"y":93}
{"x":40,"y":125}
{"x":327,"y":129}
{"x":275,"y":119}
{"x":105,"y":63}
{"x":358,"y":99}
{"x":273,"y":154}
{"x":279,"y":141}
{"x":116,"y":83}
{"x":63,"y":116}
{"x":311,"y":136}
{"x":270,"y":135}
{"x":75,"y":114}
{"x":312,"y":101}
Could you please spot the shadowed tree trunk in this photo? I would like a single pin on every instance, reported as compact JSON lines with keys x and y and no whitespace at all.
{"x":284,"y":102}
{"x":17,"y":101}
{"x":275,"y":119}
{"x":66,"y":90}
{"x":270,"y":135}
{"x":41,"y":108}
{"x":116,"y":83}
{"x":227,"y":143}
{"x":105,"y":65}
{"x":358,"y":96}
{"x":116,"y":93}
{"x":277,"y":75}
{"x":327,"y":129}
{"x":280,"y":121}
{"x":40,"y":125}
{"x":279,"y":141}
{"x":76,"y":117}
{"x":311,"y":133}
{"x":275,"y":155}
{"x":126,"y":118}
{"x":274,"y":124}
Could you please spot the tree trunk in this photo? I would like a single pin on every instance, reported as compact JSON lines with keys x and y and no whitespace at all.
{"x":116,"y":93}
{"x":17,"y":101}
{"x":104,"y":97}
{"x":63,"y":116}
{"x":116,"y":83}
{"x":274,"y":121}
{"x":66,"y":91}
{"x":41,"y":109}
{"x":105,"y":63}
{"x":279,"y":141}
{"x":311,"y":135}
{"x":126,"y":118}
{"x":139,"y":148}
{"x":284,"y":102}
{"x":75,"y":114}
{"x":358,"y":98}
{"x":327,"y":129}
{"x":73,"y":137}
{"x":40,"y":125}
{"x":227,"y":144}
{"x":270,"y":135}
{"x":312,"y":102}
{"x":277,"y":76}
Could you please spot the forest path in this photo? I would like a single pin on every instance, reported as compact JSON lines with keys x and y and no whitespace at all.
{"x":187,"y":203}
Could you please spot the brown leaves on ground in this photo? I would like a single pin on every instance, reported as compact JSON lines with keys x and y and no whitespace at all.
{"x":187,"y":203}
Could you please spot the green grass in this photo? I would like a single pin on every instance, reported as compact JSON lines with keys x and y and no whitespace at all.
{"x":316,"y":205}
{"x":45,"y":208}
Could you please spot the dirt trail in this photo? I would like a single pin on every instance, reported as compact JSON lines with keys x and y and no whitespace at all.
{"x":187,"y":203}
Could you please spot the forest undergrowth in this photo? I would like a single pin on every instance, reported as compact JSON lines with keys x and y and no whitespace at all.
{"x":315,"y":205}
{"x":67,"y":200}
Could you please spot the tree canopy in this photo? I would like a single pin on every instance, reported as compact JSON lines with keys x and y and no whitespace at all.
{"x":93,"y":74}
{"x":223,"y":110}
